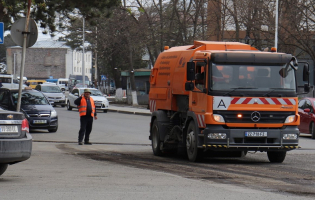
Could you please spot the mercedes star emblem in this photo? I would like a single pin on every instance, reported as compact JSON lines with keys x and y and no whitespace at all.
{"x":255,"y":116}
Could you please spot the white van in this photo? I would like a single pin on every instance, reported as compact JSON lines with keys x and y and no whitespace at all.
{"x":24,"y":79}
{"x":8,"y":82}
{"x":63,"y":83}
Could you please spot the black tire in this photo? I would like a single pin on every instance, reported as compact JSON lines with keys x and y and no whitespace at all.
{"x":194,"y":154}
{"x":53,"y":130}
{"x":68,"y":106}
{"x":63,"y":106}
{"x":156,"y":142}
{"x":3,"y":168}
{"x":105,"y":111}
{"x":276,"y":156}
{"x":312,"y":130}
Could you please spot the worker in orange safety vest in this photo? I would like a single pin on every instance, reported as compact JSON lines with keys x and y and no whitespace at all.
{"x":87,"y":112}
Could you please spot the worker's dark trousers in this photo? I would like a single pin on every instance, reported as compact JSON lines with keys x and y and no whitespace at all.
{"x":86,"y":123}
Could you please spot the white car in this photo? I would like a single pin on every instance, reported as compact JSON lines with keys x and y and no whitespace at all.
{"x":101,"y":102}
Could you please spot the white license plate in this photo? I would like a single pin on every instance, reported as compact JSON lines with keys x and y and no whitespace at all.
{"x":255,"y":134}
{"x":39,"y":121}
{"x":8,"y":129}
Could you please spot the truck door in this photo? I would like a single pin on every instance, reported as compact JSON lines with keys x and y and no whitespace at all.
{"x":199,"y":94}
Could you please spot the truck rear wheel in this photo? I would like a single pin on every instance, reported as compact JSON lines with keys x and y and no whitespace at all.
{"x":276,"y":156}
{"x":194,"y":154}
{"x":3,"y":167}
{"x":156,"y":142}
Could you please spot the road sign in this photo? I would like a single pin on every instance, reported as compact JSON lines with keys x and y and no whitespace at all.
{"x":103,"y":77}
{"x":1,"y":33}
{"x":17,"y":31}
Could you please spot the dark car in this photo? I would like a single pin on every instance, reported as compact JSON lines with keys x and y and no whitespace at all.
{"x":306,"y":111}
{"x":39,"y":113}
{"x":15,"y":140}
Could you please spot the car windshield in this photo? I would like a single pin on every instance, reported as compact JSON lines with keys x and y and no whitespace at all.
{"x":93,"y":92}
{"x":30,"y":98}
{"x":51,"y":89}
{"x":263,"y":77}
{"x":96,"y":93}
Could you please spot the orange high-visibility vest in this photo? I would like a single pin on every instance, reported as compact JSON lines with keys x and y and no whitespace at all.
{"x":83,"y":107}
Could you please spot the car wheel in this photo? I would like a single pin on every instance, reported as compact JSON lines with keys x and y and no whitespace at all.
{"x":194,"y":154}
{"x":312,"y":130}
{"x":3,"y":167}
{"x":156,"y":142}
{"x":68,"y":106}
{"x":276,"y":156}
{"x":105,"y":111}
{"x":53,"y":130}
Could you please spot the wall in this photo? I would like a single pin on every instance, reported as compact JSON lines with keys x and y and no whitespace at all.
{"x":40,"y":63}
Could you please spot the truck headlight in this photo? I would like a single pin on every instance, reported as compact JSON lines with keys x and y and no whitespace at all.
{"x":290,"y":119}
{"x":218,"y":118}
{"x":217,"y":135}
{"x":53,"y":113}
{"x":290,"y":136}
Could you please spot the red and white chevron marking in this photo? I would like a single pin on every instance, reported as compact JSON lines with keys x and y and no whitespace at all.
{"x":152,"y":105}
{"x":201,"y":120}
{"x":269,"y":101}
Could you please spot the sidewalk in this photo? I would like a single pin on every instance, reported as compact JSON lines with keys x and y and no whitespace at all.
{"x":128,"y":109}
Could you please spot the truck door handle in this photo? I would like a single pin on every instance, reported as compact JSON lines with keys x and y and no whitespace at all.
{"x":194,"y":102}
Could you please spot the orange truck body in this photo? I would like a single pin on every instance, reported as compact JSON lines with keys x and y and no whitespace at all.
{"x":213,"y":118}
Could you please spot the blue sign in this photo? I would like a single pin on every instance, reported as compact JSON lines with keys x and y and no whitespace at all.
{"x":103,"y":77}
{"x":51,"y":77}
{"x":1,"y":33}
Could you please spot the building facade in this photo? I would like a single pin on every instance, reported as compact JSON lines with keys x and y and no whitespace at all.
{"x":48,"y":59}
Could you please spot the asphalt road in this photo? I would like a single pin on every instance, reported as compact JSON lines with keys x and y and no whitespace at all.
{"x":120,"y":165}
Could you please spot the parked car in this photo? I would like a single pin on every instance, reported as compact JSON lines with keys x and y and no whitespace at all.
{"x":15,"y":140}
{"x":53,"y":93}
{"x":80,"y":85}
{"x":307,"y":113}
{"x":101,"y":102}
{"x":38,"y":111}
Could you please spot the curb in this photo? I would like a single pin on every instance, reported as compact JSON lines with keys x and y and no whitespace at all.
{"x":129,"y":112}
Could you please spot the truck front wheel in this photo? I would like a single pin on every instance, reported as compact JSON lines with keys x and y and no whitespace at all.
{"x":194,"y":154}
{"x":156,"y":142}
{"x":276,"y":156}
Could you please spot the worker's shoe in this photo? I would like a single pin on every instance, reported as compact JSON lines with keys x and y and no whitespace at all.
{"x":80,"y":143}
{"x":88,"y":143}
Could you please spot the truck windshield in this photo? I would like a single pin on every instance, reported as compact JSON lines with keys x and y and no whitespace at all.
{"x":229,"y":77}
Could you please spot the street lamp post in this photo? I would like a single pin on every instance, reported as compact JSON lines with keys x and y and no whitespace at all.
{"x":276,"y":27}
{"x":14,"y":63}
{"x":83,"y":61}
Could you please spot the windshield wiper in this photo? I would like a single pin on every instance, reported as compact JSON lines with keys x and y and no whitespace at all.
{"x":237,"y":89}
{"x":274,"y":89}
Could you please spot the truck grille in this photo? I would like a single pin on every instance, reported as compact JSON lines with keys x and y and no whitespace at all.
{"x":265,"y":116}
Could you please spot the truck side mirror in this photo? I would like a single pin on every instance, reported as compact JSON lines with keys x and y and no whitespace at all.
{"x":306,"y":72}
{"x":189,"y":86}
{"x":190,"y":71}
